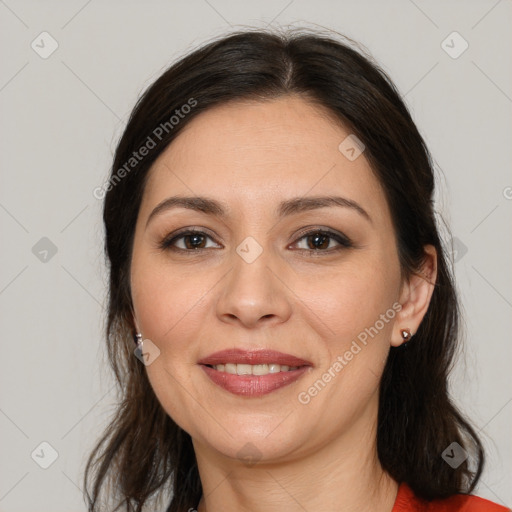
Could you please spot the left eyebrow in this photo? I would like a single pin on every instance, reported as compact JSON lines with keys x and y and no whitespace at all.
{"x":302,"y":204}
{"x":288,"y":207}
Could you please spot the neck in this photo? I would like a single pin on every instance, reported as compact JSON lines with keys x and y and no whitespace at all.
{"x":343,"y":475}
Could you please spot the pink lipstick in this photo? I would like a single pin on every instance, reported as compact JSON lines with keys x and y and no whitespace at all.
{"x":253,"y":373}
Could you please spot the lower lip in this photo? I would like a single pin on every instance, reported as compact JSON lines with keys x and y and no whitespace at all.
{"x":253,"y":385}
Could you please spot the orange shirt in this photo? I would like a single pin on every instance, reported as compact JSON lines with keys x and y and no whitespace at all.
{"x":407,"y":501}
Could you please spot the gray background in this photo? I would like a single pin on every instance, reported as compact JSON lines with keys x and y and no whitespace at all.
{"x":61,"y":117}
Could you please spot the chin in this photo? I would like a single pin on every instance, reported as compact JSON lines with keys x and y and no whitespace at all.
{"x":255,"y":440}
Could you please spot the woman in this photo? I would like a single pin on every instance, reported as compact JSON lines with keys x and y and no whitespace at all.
{"x":274,"y":255}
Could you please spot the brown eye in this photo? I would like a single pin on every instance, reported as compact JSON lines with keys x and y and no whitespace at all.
{"x":322,"y":241}
{"x":186,"y":241}
{"x":194,"y":241}
{"x":316,"y":241}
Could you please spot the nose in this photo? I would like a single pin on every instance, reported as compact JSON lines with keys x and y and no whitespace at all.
{"x":254,"y":293}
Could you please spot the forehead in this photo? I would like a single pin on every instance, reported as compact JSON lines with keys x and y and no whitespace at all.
{"x":254,"y":154}
{"x":260,"y":131}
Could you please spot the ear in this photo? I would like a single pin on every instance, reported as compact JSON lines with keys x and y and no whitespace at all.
{"x":415,"y":297}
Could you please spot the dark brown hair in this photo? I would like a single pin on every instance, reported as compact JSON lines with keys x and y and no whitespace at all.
{"x":143,"y":453}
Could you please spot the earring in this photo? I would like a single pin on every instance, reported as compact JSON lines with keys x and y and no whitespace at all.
{"x":406,"y":335}
{"x":138,"y":349}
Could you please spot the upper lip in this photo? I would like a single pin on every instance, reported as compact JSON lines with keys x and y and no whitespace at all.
{"x":239,"y":356}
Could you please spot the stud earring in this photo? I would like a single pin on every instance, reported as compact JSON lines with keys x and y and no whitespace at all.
{"x":406,"y":334}
{"x":139,"y":348}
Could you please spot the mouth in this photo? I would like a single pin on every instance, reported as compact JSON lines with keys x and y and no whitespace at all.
{"x":253,"y":373}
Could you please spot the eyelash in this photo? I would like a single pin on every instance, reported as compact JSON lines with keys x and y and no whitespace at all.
{"x":345,"y":242}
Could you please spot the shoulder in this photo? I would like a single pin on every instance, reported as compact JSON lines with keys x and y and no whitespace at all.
{"x":465,"y":503}
{"x":407,"y":501}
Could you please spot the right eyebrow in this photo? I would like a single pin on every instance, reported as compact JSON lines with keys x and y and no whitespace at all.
{"x":288,"y":207}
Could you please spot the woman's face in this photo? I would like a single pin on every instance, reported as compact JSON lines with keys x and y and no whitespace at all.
{"x":263,"y":276}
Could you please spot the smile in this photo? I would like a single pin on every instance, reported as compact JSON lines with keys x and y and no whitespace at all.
{"x":253,"y":373}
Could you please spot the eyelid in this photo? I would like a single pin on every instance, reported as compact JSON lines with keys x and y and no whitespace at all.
{"x":343,"y":241}
{"x":168,"y":240}
{"x":308,"y":230}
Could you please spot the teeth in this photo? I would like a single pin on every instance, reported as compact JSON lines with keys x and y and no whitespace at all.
{"x":274,"y":368}
{"x":229,"y":368}
{"x":243,"y":369}
{"x":253,"y":369}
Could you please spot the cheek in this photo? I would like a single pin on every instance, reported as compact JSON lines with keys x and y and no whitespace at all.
{"x":353,"y":298}
{"x":175,"y":308}
{"x":357,"y":306}
{"x":174,"y":301}
{"x":167,"y":300}
{"x":170,"y":308}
